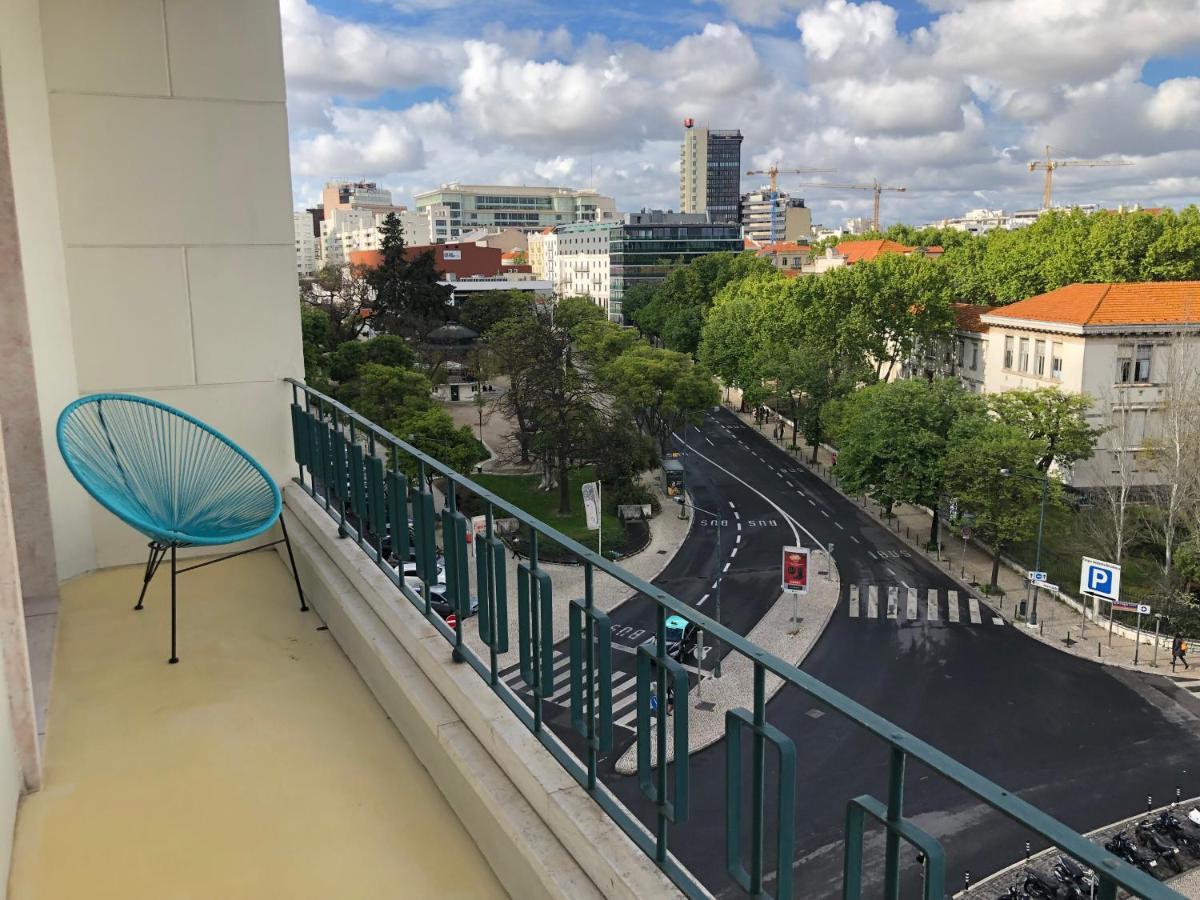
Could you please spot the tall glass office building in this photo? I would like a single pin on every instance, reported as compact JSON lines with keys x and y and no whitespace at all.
{"x":710,"y":172}
{"x":649,"y":245}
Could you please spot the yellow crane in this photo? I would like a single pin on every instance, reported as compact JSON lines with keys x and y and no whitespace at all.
{"x":1051,"y":164}
{"x":772,"y":172}
{"x":875,"y":187}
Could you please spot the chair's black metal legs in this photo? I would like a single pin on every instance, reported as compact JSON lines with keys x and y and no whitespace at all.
{"x":174,"y":658}
{"x":291,"y":559}
{"x":156,"y":556}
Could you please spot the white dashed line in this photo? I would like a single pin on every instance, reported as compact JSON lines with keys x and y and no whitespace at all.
{"x":731,"y":504}
{"x":739,"y":525}
{"x":700,"y":602}
{"x":856,"y":540}
{"x":839,"y":525}
{"x":726,"y":569}
{"x":710,"y":443}
{"x":811,"y":502}
{"x":825,"y":513}
{"x":734,"y":553}
{"x":890,"y":572}
{"x":739,"y":539}
{"x":736,"y":516}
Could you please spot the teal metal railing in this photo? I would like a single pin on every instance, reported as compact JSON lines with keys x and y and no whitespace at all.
{"x":379,"y":489}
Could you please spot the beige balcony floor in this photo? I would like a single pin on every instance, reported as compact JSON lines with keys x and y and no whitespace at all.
{"x":259,"y":766}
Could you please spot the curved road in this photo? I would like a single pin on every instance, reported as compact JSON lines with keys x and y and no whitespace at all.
{"x":1084,"y":742}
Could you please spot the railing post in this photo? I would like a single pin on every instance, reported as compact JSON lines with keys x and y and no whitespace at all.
{"x":660,"y":649}
{"x":895,"y":812}
{"x":757,"y":784}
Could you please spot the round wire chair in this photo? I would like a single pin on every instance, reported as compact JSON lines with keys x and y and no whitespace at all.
{"x":173,"y":478}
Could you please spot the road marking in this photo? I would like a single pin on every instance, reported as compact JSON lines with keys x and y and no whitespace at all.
{"x":734,"y":553}
{"x":714,"y":584}
{"x":856,"y":540}
{"x":952,"y":604}
{"x":890,"y":572}
{"x":825,"y":513}
{"x":700,"y":602}
{"x":974,"y":605}
{"x":710,"y":443}
{"x":739,"y":537}
{"x":726,"y":569}
{"x":839,"y":525}
{"x":931,"y":608}
{"x":871,"y":554}
{"x":912,"y":604}
{"x":854,"y":601}
{"x":731,"y":504}
{"x":893,"y":607}
{"x":810,"y":501}
{"x":873,"y":602}
{"x":996,"y":620}
{"x":798,"y":491}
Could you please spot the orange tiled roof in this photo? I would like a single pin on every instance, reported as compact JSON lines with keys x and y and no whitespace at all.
{"x":783,"y":247}
{"x":934,"y":250}
{"x":966,"y":317}
{"x":865,"y":251}
{"x":749,"y":243}
{"x":1135,"y":303}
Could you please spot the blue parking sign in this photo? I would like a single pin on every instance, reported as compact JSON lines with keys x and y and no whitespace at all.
{"x":1100,"y":579}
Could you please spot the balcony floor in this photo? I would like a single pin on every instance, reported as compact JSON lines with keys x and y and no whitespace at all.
{"x":260,"y":766}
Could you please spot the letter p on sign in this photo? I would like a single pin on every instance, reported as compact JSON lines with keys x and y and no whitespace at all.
{"x":1101,"y":579}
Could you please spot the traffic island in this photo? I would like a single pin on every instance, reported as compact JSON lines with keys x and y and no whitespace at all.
{"x":778,"y":632}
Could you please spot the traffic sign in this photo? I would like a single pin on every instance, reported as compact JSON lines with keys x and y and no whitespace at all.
{"x":1100,"y":579}
{"x":1037,"y":576}
{"x":795,"y":569}
{"x":1126,"y":606}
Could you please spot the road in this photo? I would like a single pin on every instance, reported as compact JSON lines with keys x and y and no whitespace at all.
{"x":1086,"y":743}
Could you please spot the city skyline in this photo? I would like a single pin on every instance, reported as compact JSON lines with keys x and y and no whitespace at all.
{"x":416,"y":97}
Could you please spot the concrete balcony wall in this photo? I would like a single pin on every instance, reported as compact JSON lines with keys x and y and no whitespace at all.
{"x":155,"y":219}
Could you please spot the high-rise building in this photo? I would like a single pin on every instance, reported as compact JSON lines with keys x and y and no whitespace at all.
{"x":783,"y":219}
{"x":648,"y":246}
{"x":355,"y":195}
{"x":469,"y":207}
{"x":710,"y":172}
{"x":306,"y":244}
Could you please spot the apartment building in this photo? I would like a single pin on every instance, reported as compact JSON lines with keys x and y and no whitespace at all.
{"x":710,"y":172}
{"x":345,"y":230}
{"x":769,"y":217}
{"x":1124,"y":345}
{"x":583,"y":263}
{"x":306,"y":244}
{"x":455,"y":209}
{"x":963,"y":355}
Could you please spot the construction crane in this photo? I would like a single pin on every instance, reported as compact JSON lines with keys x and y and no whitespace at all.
{"x":875,"y":187}
{"x":773,"y":172}
{"x":1051,"y":164}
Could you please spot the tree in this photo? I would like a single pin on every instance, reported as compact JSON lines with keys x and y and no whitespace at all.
{"x":408,"y":298}
{"x":661,"y":389}
{"x":481,"y":310}
{"x":511,"y":343}
{"x":1057,"y":421}
{"x":384,"y":349}
{"x":434,"y":432}
{"x":570,"y":312}
{"x":892,"y":440}
{"x":600,"y":341}
{"x":344,"y":295}
{"x":317,"y":336}
{"x":1006,"y":509}
{"x":387,"y":395}
{"x":637,"y":296}
{"x":1112,"y":525}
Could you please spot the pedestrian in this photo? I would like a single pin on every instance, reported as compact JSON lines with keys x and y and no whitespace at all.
{"x":670,"y":699}
{"x":1179,"y":650}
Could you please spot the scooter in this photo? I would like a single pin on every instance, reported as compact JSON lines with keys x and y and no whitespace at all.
{"x":1120,"y":845}
{"x":1158,"y":845}
{"x":1077,"y":881}
{"x":1039,"y":886}
{"x":1169,"y":825}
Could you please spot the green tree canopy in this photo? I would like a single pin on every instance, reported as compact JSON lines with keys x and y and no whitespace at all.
{"x":570,"y":312}
{"x":1055,"y":421}
{"x":483,"y":309}
{"x":661,"y":389}
{"x":408,"y":298}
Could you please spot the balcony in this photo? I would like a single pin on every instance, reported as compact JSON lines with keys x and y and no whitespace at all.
{"x":261,"y":766}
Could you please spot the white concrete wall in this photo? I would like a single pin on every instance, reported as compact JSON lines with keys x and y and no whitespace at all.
{"x":169,"y":138}
{"x":35,"y":193}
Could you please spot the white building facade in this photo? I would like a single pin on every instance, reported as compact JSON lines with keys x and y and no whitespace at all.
{"x":581,"y":263}
{"x":455,"y":209}
{"x":306,"y":245}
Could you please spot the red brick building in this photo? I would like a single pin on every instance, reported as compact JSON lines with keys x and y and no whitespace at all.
{"x":453,"y":261}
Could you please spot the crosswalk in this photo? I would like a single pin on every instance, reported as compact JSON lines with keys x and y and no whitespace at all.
{"x":624,"y":689}
{"x":875,"y":601}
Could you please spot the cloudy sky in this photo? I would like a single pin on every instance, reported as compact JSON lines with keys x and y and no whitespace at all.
{"x":949,"y":98}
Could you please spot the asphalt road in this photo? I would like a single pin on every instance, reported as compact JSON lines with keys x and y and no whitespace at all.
{"x":1084,"y":742}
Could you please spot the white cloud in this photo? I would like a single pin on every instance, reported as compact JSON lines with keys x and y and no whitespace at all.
{"x":858,"y":38}
{"x":1176,"y":104}
{"x":763,"y":12}
{"x":900,"y":106}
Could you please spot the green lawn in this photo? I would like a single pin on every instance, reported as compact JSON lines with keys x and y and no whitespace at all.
{"x":522,"y":491}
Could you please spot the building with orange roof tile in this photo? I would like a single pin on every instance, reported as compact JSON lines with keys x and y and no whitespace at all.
{"x":962,"y":355}
{"x":1126,"y":345}
{"x":786,"y":254}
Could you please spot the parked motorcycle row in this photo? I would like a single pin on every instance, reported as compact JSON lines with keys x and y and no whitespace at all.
{"x":1157,"y":845}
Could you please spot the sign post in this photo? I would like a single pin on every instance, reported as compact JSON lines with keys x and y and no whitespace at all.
{"x":795,"y":578}
{"x":1103,"y":580}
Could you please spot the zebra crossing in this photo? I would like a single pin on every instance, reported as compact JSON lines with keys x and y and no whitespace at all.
{"x":624,"y":689}
{"x":874,"y":601}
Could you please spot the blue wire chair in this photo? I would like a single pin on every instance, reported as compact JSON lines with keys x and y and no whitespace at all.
{"x":171,"y":477}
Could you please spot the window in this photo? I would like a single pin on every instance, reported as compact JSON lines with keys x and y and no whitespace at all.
{"x":1039,"y":357}
{"x":962,"y":351}
{"x":1141,"y":369}
{"x":974,"y":356}
{"x":1024,"y":359}
{"x":1125,"y":362}
{"x":1056,"y":360}
{"x":1008,"y":352}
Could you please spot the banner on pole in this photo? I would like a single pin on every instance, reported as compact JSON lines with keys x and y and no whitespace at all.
{"x":795,"y":569}
{"x":591,"y":505}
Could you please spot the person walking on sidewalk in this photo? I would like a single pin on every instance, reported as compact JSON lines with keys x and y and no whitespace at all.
{"x":1179,"y":650}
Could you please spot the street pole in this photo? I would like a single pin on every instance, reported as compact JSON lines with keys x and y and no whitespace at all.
{"x":717,"y":558}
{"x":1038,"y":562}
{"x":1137,"y":641}
{"x":599,"y":520}
{"x":1157,"y":624}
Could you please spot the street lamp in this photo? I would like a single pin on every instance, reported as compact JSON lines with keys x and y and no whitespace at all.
{"x":1037,"y":565}
{"x":717,"y":556}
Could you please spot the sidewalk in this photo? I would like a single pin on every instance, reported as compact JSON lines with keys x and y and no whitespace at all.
{"x":1059,"y":625}
{"x":495,"y":431}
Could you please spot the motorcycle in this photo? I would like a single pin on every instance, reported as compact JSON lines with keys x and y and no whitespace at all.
{"x":1077,"y":881}
{"x":1158,"y":845}
{"x":1120,"y":845}
{"x":1169,"y":825}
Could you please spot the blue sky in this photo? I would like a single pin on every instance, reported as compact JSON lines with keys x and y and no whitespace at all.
{"x":949,"y":97}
